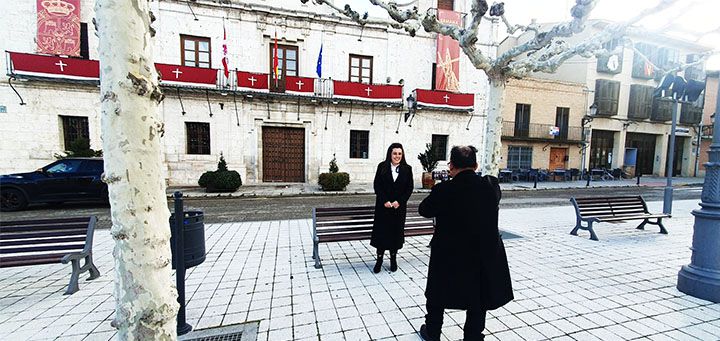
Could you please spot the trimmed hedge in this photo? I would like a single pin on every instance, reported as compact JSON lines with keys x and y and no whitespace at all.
{"x":204,"y":178}
{"x":223,"y":181}
{"x":334,"y":181}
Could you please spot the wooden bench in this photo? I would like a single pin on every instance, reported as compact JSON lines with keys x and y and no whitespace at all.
{"x":613,"y":209}
{"x":355,"y":223}
{"x":48,"y":241}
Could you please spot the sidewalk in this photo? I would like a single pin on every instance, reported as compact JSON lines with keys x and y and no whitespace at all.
{"x":566,"y":287}
{"x":304,"y":189}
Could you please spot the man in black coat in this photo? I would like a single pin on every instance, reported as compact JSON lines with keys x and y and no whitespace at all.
{"x":468,"y":267}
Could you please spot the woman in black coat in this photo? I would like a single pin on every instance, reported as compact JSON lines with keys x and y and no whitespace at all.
{"x":393,"y":185}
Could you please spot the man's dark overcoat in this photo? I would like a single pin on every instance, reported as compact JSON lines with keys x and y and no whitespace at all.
{"x":388,"y":231}
{"x":468,"y":266}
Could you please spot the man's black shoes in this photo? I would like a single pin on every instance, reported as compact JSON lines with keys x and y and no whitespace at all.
{"x":425,"y":336}
{"x":378,"y":264}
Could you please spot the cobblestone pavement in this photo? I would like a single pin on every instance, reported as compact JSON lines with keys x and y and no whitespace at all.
{"x":566,"y":287}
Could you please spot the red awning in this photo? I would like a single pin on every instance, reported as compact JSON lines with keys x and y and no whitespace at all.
{"x":252,"y":81}
{"x":444,"y":99}
{"x":300,"y":85}
{"x":52,"y":66}
{"x":367,"y":92}
{"x":187,"y":75}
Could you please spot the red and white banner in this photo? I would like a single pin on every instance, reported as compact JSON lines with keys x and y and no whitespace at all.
{"x":444,"y":99}
{"x":56,"y":67}
{"x":252,"y":81}
{"x":187,"y":75}
{"x":367,"y":92}
{"x":300,"y":85}
{"x":447,"y":71}
{"x":58,"y":27}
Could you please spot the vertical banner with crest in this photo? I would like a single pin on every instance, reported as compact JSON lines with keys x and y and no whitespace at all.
{"x":447,"y":72}
{"x":58,"y":27}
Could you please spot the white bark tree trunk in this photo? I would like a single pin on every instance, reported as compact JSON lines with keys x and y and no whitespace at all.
{"x":493,"y":127}
{"x":144,"y":292}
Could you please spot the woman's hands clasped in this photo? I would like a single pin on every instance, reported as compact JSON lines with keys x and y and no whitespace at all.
{"x":393,"y":204}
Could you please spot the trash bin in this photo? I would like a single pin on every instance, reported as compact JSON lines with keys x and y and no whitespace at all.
{"x":194,"y":238}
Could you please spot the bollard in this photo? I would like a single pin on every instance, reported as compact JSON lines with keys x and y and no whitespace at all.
{"x":638,"y":178}
{"x":182,"y":326}
{"x":536,"y":177}
{"x":589,"y":175}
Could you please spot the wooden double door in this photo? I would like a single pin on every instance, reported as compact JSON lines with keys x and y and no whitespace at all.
{"x":283,"y":154}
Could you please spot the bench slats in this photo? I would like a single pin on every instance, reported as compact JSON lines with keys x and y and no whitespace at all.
{"x":10,"y":250}
{"x":48,"y":227}
{"x":33,"y":235}
{"x":48,"y":258}
{"x":58,"y":240}
{"x":44,"y":222}
{"x":364,"y":220}
{"x":613,"y":209}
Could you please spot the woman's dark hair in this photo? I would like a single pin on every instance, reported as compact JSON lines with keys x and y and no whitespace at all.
{"x":388,"y":156}
{"x":463,"y":156}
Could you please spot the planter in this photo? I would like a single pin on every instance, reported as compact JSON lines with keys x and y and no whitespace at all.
{"x":427,"y":180}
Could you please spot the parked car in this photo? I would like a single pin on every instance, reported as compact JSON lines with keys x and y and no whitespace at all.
{"x":66,"y":180}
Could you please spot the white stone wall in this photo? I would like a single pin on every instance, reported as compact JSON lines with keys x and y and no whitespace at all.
{"x":32,"y":133}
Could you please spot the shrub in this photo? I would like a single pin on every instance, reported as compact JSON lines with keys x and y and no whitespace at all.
{"x":334,"y":181}
{"x":80,"y":147}
{"x":220,"y":180}
{"x":224,"y":181}
{"x":333,"y":165}
{"x":428,"y":158}
{"x":204,"y":178}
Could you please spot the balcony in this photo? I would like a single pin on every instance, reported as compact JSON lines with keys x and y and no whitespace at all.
{"x":690,"y":114}
{"x":540,"y":132}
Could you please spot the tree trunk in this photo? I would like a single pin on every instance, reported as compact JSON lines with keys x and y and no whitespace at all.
{"x":493,"y":128}
{"x":145,"y":295}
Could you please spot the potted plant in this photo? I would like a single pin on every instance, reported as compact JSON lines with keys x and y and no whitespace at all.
{"x":220,"y":180}
{"x":428,"y":160}
{"x":334,"y":180}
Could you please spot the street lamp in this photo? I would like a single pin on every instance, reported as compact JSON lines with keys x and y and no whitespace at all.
{"x":701,"y":278}
{"x":585,"y":120}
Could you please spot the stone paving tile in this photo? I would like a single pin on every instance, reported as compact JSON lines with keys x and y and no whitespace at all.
{"x":566,"y":287}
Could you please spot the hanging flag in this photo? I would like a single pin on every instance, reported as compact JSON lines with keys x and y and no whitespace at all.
{"x":226,"y":70}
{"x":318,"y":69}
{"x":58,"y":27}
{"x":275,"y":61}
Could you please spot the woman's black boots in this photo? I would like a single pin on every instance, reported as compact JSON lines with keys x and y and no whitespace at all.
{"x":378,"y":262}
{"x":393,"y":261}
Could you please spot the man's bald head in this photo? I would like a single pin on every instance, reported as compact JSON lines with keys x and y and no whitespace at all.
{"x":464,"y":157}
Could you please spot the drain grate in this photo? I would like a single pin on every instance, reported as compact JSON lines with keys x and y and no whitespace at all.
{"x":234,"y":332}
{"x":237,"y":336}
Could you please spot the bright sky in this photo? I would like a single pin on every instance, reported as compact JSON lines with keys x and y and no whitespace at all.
{"x":688,"y":19}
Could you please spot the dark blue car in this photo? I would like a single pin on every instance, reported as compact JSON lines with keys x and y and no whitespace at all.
{"x":66,"y":180}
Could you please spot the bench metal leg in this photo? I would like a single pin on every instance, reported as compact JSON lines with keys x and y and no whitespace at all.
{"x":578,"y":226}
{"x":316,"y":255}
{"x":593,"y":236}
{"x":94,"y":273}
{"x":662,"y":227}
{"x":642,"y":225}
{"x":73,"y":286}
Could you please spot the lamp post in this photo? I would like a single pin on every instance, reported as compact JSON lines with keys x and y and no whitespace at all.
{"x":585,"y":120}
{"x":701,"y":278}
{"x":668,"y":193}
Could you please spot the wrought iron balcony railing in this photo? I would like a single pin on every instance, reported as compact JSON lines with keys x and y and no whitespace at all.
{"x":541,"y":132}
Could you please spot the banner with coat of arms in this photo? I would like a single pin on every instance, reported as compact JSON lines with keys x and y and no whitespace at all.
{"x":58,"y":27}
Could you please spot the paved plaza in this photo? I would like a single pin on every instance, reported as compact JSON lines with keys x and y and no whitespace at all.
{"x":566,"y":287}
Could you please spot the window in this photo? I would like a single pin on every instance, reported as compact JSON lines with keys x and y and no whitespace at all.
{"x":92,"y":167}
{"x":361,"y":68}
{"x":640,"y":104}
{"x":359,"y":144}
{"x":694,"y":72}
{"x":642,"y":68}
{"x":433,"y":76}
{"x":666,"y":58}
{"x":74,"y":128}
{"x":522,"y":120}
{"x":611,"y":63}
{"x":64,"y":166}
{"x":84,"y":50}
{"x":601,"y":147}
{"x":562,"y":119}
{"x":519,"y":157}
{"x":195,"y":51}
{"x":287,"y":60}
{"x":446,"y":4}
{"x":198,"y":137}
{"x":439,"y":143}
{"x":661,"y":109}
{"x":606,"y":96}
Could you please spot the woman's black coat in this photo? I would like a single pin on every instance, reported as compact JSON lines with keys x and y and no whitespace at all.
{"x":468,"y":266}
{"x":389,"y":223}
